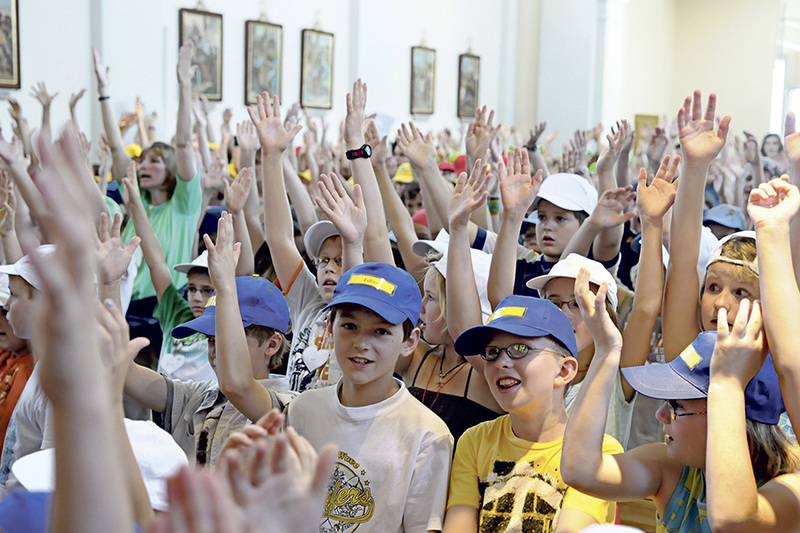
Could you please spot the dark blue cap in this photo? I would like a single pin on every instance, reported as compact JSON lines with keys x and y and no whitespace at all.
{"x":523,"y":316}
{"x":385,"y":289}
{"x":260,"y":303}
{"x":688,"y":375}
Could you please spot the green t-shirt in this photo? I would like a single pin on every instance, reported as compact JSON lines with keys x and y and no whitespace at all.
{"x":174,"y":223}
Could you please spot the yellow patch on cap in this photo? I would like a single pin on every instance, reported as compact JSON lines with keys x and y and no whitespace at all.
{"x":508,"y":311}
{"x":212,"y":301}
{"x":690,"y":357}
{"x":377,"y":283}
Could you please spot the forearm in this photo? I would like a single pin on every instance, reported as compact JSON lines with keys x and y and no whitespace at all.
{"x":143,"y":136}
{"x":246,"y":264}
{"x":732,"y":492}
{"x":152,"y":251}
{"x":504,"y":259}
{"x":183,"y":134}
{"x":27,"y":190}
{"x":203,"y":148}
{"x":581,"y":242}
{"x":303,"y":206}
{"x":622,"y":168}
{"x":538,"y":163}
{"x":46,"y":130}
{"x":463,"y":303}
{"x":147,"y":387}
{"x":12,"y":251}
{"x":607,"y":243}
{"x":435,"y":194}
{"x":120,"y":157}
{"x":279,"y":229}
{"x":110,"y":291}
{"x":376,"y":238}
{"x":142,"y":508}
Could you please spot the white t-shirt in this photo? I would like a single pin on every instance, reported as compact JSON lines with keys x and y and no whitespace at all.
{"x":29,"y":430}
{"x":620,"y":411}
{"x":393,"y":465}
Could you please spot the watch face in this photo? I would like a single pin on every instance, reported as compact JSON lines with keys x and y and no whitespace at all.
{"x":367,"y":150}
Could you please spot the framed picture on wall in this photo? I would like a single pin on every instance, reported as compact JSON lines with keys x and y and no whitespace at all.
{"x":644,"y":125}
{"x":9,"y":44}
{"x":423,"y":75}
{"x":316,"y":70}
{"x":469,"y":81}
{"x":263,"y":59}
{"x":204,"y":29}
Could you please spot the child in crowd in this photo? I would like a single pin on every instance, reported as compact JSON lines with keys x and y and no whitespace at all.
{"x":197,"y":414}
{"x":505,"y":474}
{"x":394,"y":453}
{"x":716,"y":470}
{"x":16,"y":362}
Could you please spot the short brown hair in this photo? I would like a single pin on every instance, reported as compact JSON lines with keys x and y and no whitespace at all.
{"x":262,"y":334}
{"x":408,"y":326}
{"x":169,"y":155}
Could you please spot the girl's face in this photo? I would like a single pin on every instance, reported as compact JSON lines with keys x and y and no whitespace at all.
{"x":561,"y":291}
{"x":686,"y":435}
{"x":554,"y":229}
{"x":434,"y":324}
{"x":724,"y":288}
{"x":152,"y":171}
{"x":772,"y":146}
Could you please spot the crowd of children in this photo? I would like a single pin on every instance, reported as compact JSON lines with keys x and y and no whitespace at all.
{"x":324,"y":364}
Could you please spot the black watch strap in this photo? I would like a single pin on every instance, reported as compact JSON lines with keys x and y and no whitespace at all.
{"x":364,"y":152}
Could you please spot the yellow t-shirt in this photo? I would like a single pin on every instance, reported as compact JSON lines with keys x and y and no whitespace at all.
{"x":515,"y":483}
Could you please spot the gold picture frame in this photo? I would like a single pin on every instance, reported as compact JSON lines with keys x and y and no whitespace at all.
{"x":204,"y":29}
{"x":316,"y":69}
{"x":469,"y":81}
{"x":263,"y":59}
{"x":9,"y":44}
{"x":423,"y":80}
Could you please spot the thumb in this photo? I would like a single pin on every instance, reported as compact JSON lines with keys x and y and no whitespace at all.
{"x":136,"y":345}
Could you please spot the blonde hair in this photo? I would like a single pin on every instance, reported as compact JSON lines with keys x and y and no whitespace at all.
{"x":771,"y":451}
{"x":441,"y":282}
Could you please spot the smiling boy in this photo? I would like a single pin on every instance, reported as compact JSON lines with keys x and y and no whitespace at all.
{"x":505,"y":474}
{"x":394,"y":453}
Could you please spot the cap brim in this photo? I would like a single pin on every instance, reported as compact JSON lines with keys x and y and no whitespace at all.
{"x":661,"y":382}
{"x":390,"y":314}
{"x":203,"y":324}
{"x":11,"y":270}
{"x":474,"y":340}
{"x":186,"y":267}
{"x":559,"y":201}
{"x":424,"y":247}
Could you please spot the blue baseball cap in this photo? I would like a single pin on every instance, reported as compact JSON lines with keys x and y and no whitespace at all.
{"x":524,"y":316}
{"x":260,"y":303}
{"x":380,"y":287}
{"x":726,"y":215}
{"x":687,"y":378}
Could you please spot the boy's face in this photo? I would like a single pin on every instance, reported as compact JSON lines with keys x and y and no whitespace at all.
{"x":554,"y":229}
{"x":724,"y":288}
{"x":9,"y":341}
{"x":367,"y":346}
{"x":328,"y":273}
{"x":413,"y":204}
{"x":434,"y":325}
{"x":20,"y":307}
{"x":520,"y":385}
{"x":561,"y":291}
{"x":198,"y":291}
{"x":259,"y":356}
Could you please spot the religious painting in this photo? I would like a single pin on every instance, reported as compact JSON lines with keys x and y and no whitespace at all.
{"x":204,"y":29}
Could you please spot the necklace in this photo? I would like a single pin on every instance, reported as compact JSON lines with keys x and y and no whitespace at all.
{"x":442,"y":375}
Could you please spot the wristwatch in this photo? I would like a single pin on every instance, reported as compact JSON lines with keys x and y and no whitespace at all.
{"x":365,"y":151}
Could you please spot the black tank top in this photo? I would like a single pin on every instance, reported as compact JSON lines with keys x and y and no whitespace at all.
{"x":458,"y":412}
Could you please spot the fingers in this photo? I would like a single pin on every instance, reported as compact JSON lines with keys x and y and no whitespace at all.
{"x":789,"y":124}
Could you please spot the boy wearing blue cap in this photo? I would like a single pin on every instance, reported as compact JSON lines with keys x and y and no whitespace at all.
{"x":724,"y":464}
{"x":394,"y":453}
{"x":197,"y":414}
{"x":505,"y":474}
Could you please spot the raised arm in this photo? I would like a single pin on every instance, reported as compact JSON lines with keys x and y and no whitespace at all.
{"x":518,"y":190}
{"x":349,"y":216}
{"x":773,"y":207}
{"x":12,"y":252}
{"x":73,"y":101}
{"x":607,"y":215}
{"x":114,"y":136}
{"x":480,"y":133}
{"x":653,"y":203}
{"x":13,"y":156}
{"x":607,"y":243}
{"x":376,"y":238}
{"x":792,"y":145}
{"x":700,"y":144}
{"x":113,"y":258}
{"x":248,"y":146}
{"x":622,"y":168}
{"x":151,"y":247}
{"x":735,"y":501}
{"x":187,"y":167}
{"x":631,"y":475}
{"x":39,"y":91}
{"x":201,"y":131}
{"x":534,"y":153}
{"x":279,"y":228}
{"x":421,"y":153}
{"x":236,"y":194}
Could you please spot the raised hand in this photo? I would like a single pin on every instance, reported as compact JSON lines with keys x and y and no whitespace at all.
{"x":775,"y":201}
{"x":116,"y":346}
{"x":517,"y":188}
{"x":610,"y":209}
{"x":101,"y":72}
{"x":608,"y":157}
{"x":130,"y":193}
{"x":39,"y":91}
{"x":266,"y":117}
{"x":379,"y":145}
{"x":236,"y":193}
{"x":185,"y":69}
{"x":8,"y":210}
{"x":73,"y":99}
{"x":535,"y":134}
{"x":481,"y":132}
{"x":657,"y":145}
{"x":654,"y":200}
{"x":214,"y":177}
{"x":751,"y":150}
{"x":292,"y":117}
{"x":199,"y":111}
{"x":222,"y":256}
{"x":349,"y":216}
{"x":699,"y":142}
{"x":418,"y":149}
{"x":227,"y":114}
{"x":740,"y":353}
{"x":113,"y":257}
{"x":568,"y":162}
{"x":578,"y":144}
{"x":468,"y":195}
{"x":247,"y":137}
{"x":595,"y":315}
{"x":354,"y":121}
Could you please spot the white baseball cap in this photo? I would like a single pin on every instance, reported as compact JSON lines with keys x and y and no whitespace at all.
{"x":201,"y":261}
{"x":568,"y":191}
{"x":569,"y":268}
{"x":24,"y":268}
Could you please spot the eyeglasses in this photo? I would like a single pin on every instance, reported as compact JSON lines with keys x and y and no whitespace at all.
{"x":515,"y":351}
{"x":673,"y":406}
{"x":205,"y":292}
{"x":572,"y":305}
{"x":322,"y":262}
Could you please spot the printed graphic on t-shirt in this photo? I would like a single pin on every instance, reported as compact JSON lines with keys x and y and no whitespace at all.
{"x":349,"y":503}
{"x":301,"y":377}
{"x":518,"y":498}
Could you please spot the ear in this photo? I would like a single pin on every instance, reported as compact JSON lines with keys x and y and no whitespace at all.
{"x":410,"y":344}
{"x":274,"y":344}
{"x":566,"y":373}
